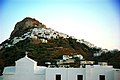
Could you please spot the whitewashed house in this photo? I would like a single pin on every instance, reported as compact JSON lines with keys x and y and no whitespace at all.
{"x":27,"y":69}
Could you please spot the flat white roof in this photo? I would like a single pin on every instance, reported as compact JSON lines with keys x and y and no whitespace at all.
{"x":9,"y":70}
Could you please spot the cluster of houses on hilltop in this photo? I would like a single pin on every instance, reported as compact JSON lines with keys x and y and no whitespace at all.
{"x":48,"y":33}
{"x":38,"y":33}
{"x":43,"y":34}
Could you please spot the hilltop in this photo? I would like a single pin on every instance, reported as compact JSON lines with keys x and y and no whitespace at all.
{"x":45,"y":44}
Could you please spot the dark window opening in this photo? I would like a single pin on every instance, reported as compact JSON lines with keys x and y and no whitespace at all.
{"x":79,"y":77}
{"x":58,"y":77}
{"x":101,"y":77}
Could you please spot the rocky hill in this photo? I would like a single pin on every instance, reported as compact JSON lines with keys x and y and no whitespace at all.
{"x":45,"y":44}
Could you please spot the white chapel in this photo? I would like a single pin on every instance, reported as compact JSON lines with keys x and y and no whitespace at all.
{"x":27,"y":69}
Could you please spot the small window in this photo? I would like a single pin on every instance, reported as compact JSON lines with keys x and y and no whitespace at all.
{"x":79,"y":77}
{"x":58,"y":77}
{"x":101,"y":77}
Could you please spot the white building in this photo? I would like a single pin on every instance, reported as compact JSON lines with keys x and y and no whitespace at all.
{"x":27,"y":69}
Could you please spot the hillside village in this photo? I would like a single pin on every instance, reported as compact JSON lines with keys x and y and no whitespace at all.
{"x":42,"y":35}
{"x":51,"y":48}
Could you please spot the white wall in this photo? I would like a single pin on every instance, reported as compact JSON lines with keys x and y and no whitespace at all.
{"x":66,"y":73}
{"x":25,"y":69}
{"x":39,"y":77}
{"x":102,"y":70}
{"x":1,"y":77}
{"x":51,"y":73}
{"x":73,"y":72}
{"x":89,"y":73}
{"x":116,"y":74}
{"x":8,"y":77}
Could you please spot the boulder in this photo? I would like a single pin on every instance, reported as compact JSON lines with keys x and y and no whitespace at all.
{"x":24,"y":25}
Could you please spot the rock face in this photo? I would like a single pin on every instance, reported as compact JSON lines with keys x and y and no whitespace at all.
{"x":25,"y":24}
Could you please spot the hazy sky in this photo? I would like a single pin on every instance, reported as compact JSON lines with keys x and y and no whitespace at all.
{"x":96,"y":21}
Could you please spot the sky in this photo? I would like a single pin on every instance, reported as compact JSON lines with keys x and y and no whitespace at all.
{"x":95,"y":21}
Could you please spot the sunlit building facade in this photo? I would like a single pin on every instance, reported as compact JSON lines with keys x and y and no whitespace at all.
{"x":27,"y":69}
